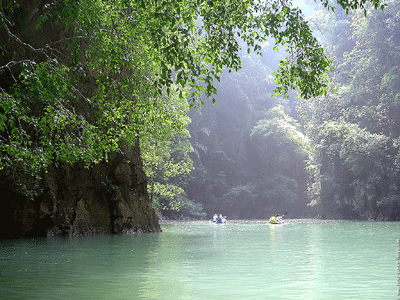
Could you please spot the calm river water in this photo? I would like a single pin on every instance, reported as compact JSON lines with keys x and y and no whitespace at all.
{"x":201,"y":260}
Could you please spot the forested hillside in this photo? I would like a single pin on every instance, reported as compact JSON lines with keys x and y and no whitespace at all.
{"x":250,"y":151}
{"x":354,"y":132}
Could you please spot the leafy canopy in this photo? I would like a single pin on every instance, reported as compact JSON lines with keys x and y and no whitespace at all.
{"x":192,"y":41}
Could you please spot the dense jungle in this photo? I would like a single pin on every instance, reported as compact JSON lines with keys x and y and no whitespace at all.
{"x":116,"y":113}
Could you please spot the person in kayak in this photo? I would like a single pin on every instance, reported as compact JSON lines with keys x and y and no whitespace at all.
{"x":276,"y":219}
{"x":219,"y":218}
{"x":215,"y":218}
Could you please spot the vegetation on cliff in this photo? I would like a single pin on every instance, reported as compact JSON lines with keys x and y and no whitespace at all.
{"x":354,"y":132}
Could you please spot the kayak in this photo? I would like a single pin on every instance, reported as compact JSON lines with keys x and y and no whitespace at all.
{"x":221,"y":223}
{"x":275,"y":223}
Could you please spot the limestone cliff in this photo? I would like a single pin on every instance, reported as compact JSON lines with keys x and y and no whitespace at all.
{"x":110,"y":197}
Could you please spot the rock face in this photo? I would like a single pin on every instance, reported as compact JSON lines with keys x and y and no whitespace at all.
{"x":110,"y":197}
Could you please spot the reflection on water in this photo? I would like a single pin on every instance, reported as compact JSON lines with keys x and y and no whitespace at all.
{"x":201,"y":260}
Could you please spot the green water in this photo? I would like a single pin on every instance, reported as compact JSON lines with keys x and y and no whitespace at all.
{"x":202,"y":260}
